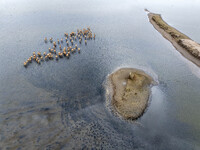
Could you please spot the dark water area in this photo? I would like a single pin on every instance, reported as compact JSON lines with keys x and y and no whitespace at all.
{"x":62,"y":104}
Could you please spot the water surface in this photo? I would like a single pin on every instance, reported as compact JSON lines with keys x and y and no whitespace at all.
{"x":61,"y":105}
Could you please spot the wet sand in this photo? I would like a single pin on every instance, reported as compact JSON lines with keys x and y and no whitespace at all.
{"x":186,"y":46}
{"x":130,"y":92}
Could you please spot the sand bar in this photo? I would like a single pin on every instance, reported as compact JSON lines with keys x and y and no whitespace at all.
{"x":186,"y":46}
{"x":131,"y":90}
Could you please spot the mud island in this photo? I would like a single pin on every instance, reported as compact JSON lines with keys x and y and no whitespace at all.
{"x":130,"y":92}
{"x":186,"y":46}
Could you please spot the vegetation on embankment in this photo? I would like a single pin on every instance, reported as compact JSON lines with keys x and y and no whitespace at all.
{"x":186,"y":46}
{"x":167,"y":28}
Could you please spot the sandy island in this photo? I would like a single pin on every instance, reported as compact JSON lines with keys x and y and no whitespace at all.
{"x":186,"y":46}
{"x":130,"y":92}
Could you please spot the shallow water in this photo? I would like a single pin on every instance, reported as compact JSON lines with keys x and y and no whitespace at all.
{"x":62,"y":105}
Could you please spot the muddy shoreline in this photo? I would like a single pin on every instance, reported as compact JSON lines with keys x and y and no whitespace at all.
{"x":188,"y":49}
{"x":130,"y":92}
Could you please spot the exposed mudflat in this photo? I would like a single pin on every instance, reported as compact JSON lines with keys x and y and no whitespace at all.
{"x":131,"y":90}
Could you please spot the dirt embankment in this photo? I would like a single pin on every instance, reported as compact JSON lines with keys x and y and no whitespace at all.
{"x":186,"y":46}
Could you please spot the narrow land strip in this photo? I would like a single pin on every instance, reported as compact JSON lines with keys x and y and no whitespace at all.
{"x":186,"y":46}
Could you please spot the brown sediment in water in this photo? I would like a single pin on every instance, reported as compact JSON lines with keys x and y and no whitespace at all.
{"x":131,"y":90}
{"x":186,"y":46}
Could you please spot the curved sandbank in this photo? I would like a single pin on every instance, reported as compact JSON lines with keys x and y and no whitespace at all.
{"x":130,"y":92}
{"x":186,"y":46}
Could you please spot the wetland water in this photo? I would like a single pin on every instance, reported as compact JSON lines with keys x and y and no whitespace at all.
{"x":62,"y":105}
